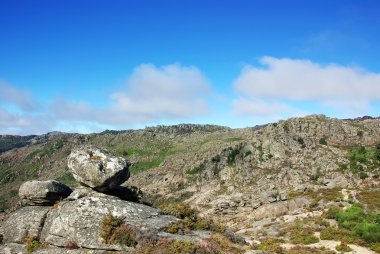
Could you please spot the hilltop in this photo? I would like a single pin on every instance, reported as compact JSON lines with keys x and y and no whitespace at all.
{"x":248,"y":178}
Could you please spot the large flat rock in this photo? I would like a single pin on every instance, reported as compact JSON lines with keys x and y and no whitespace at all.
{"x":25,"y":222}
{"x":79,"y":220}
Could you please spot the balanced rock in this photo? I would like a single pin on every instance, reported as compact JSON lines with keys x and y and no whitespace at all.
{"x":97,"y":169}
{"x":43,"y":192}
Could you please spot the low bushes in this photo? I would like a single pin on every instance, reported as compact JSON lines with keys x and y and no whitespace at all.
{"x":354,"y":225}
{"x":371,"y":198}
{"x":217,"y":244}
{"x":31,"y":243}
{"x":189,"y":220}
{"x":271,"y":245}
{"x":114,"y":231}
{"x":299,"y":234}
{"x":343,"y":247}
{"x":338,"y":234}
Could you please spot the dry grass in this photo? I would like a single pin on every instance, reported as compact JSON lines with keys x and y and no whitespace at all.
{"x":371,"y":198}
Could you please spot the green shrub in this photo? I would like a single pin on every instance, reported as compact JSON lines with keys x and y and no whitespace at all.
{"x":67,"y":178}
{"x":193,"y":171}
{"x":247,"y":153}
{"x":323,"y":141}
{"x":33,"y":168}
{"x":189,"y":219}
{"x":232,"y":156}
{"x":332,"y":212}
{"x":360,"y":224}
{"x":179,"y":210}
{"x":343,"y":247}
{"x":351,"y":217}
{"x":31,"y":243}
{"x":216,"y":158}
{"x":302,"y":235}
{"x":338,"y":234}
{"x":301,"y":142}
{"x":270,"y":244}
{"x":145,"y":165}
{"x":361,"y":156}
{"x":369,"y":232}
{"x":375,"y":247}
{"x":363,"y":175}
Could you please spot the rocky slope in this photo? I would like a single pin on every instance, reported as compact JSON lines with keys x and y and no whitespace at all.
{"x":238,"y":176}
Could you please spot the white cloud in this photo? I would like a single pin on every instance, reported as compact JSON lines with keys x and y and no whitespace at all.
{"x":172,"y":91}
{"x":22,"y":99}
{"x":23,"y":123}
{"x":287,"y":81}
{"x":151,"y":94}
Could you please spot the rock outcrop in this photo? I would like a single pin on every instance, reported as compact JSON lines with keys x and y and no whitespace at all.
{"x":97,"y":169}
{"x":79,"y":220}
{"x":43,"y":192}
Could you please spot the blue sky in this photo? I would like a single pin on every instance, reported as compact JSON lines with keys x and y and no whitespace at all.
{"x":85,"y":66}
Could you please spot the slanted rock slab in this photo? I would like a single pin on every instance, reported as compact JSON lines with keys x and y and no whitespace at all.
{"x":43,"y":192}
{"x":25,"y":222}
{"x":80,"y":220}
{"x":98,"y":169}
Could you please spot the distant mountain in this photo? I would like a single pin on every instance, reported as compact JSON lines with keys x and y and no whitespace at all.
{"x":8,"y":142}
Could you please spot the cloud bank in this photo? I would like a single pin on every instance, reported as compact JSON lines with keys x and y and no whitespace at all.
{"x":150,"y":94}
{"x":280,"y":84}
{"x":278,"y":89}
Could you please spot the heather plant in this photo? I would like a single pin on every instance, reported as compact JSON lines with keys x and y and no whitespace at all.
{"x":113,"y":230}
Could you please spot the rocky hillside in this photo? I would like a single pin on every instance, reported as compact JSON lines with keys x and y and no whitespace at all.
{"x":238,"y":176}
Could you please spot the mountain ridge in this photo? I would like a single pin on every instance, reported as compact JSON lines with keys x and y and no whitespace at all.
{"x":240,"y":176}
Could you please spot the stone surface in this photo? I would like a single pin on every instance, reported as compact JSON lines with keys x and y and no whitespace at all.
{"x":12,"y":248}
{"x":279,"y":208}
{"x":97,"y":169}
{"x":43,"y":192}
{"x":80,"y":220}
{"x":25,"y":222}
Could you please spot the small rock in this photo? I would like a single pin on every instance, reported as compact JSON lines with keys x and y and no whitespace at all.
{"x":97,"y":169}
{"x":42,"y":192}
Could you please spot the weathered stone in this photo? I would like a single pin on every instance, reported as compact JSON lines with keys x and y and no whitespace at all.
{"x":97,"y":169}
{"x":43,"y":192}
{"x":81,"y":192}
{"x":279,"y":208}
{"x":80,"y":220}
{"x":338,"y":181}
{"x":25,"y":222}
{"x":12,"y":248}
